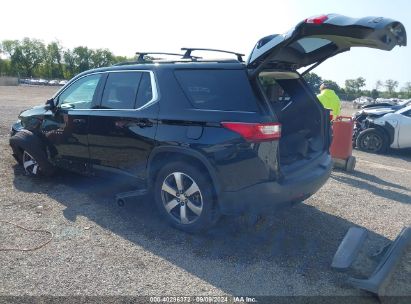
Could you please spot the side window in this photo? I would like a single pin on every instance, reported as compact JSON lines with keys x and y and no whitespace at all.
{"x":407,"y":113}
{"x":145,"y":91}
{"x":120,"y":91}
{"x":227,"y":90}
{"x":80,"y":94}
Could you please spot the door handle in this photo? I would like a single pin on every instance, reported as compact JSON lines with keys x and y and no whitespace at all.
{"x":79,"y":121}
{"x":144,"y":124}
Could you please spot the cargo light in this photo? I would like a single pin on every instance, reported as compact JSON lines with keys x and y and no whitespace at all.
{"x":316,"y":19}
{"x":255,"y":132}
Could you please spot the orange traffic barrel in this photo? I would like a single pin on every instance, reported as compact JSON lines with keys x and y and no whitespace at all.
{"x":341,"y":146}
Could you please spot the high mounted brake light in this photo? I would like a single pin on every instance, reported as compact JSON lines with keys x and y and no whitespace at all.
{"x":255,"y":132}
{"x":316,"y":19}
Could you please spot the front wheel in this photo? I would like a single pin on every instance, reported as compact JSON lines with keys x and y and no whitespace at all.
{"x":184,"y":197}
{"x":30,"y":153}
{"x":372,"y":140}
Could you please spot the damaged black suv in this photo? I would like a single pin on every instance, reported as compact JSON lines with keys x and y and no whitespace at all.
{"x":205,"y":137}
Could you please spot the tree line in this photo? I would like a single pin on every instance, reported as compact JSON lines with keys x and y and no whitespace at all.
{"x":354,"y":88}
{"x":33,"y":58}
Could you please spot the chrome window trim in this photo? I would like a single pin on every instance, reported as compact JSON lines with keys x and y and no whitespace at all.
{"x":154,"y":90}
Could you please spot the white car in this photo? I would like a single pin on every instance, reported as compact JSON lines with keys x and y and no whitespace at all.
{"x":362,"y":101}
{"x":377,"y":129}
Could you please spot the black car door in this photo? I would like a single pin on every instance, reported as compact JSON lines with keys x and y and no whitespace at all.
{"x":122,"y":128}
{"x":66,"y":130}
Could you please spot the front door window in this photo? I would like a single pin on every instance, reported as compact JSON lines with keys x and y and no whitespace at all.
{"x":80,"y":95}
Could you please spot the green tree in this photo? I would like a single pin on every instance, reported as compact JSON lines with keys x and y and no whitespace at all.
{"x":407,"y":89}
{"x":118,"y":59}
{"x":375,"y":94}
{"x":353,"y":87}
{"x":378,"y":85}
{"x":102,"y":58}
{"x":11,"y":48}
{"x":82,"y":58}
{"x":69,"y":64}
{"x":26,"y":55}
{"x":391,"y":85}
{"x":335,"y":87}
{"x":314,"y":81}
{"x":53,"y":60}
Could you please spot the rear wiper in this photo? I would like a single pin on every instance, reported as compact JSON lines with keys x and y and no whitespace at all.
{"x":287,"y":105}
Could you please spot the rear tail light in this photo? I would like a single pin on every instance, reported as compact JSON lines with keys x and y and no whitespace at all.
{"x":255,"y":132}
{"x":316,"y":19}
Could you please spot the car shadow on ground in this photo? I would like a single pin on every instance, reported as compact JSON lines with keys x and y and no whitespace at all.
{"x":404,"y":154}
{"x":301,"y":240}
{"x":365,"y":181}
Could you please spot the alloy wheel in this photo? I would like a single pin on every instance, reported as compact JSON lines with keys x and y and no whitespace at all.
{"x":182,"y":198}
{"x":30,"y":164}
{"x":372,"y":142}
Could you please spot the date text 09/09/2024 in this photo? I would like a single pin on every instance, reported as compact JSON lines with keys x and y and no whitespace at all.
{"x":202,"y":299}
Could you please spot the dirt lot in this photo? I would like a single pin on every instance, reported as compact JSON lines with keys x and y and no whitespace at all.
{"x":99,"y":248}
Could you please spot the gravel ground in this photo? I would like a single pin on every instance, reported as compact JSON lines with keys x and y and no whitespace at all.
{"x":99,"y":248}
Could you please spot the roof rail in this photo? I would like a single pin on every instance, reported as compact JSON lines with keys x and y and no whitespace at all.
{"x":184,"y":57}
{"x":187,"y":54}
{"x":125,"y":63}
{"x":141,"y":55}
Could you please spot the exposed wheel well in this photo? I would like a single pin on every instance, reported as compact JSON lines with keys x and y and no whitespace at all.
{"x":384,"y":132}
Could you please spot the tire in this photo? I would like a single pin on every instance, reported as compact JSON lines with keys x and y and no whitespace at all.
{"x":372,"y":140}
{"x":30,"y":152}
{"x":350,"y":165}
{"x":192,"y":213}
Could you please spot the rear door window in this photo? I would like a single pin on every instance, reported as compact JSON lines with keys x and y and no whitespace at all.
{"x":120,"y":91}
{"x":227,"y":90}
{"x":145,"y":90}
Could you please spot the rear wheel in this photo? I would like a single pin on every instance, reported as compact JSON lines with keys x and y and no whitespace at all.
{"x":372,"y":140}
{"x":184,"y":197}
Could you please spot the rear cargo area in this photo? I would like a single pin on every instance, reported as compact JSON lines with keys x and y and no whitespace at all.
{"x":300,"y":114}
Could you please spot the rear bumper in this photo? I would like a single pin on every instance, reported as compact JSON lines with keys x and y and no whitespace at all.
{"x":265,"y":197}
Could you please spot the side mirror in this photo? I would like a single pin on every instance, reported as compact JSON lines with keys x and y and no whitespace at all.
{"x":50,"y":105}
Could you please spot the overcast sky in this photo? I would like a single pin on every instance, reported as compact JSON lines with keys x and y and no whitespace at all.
{"x":125,"y":27}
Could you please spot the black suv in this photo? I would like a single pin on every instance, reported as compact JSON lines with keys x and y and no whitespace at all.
{"x":205,"y":137}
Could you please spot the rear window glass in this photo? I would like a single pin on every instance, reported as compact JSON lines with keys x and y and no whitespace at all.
{"x":308,"y":45}
{"x":227,"y":90}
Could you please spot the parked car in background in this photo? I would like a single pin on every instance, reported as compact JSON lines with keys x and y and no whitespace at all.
{"x":379,"y":128}
{"x":63,"y":82}
{"x":387,"y":103}
{"x":362,"y":101}
{"x":204,"y":137}
{"x":53,"y":82}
